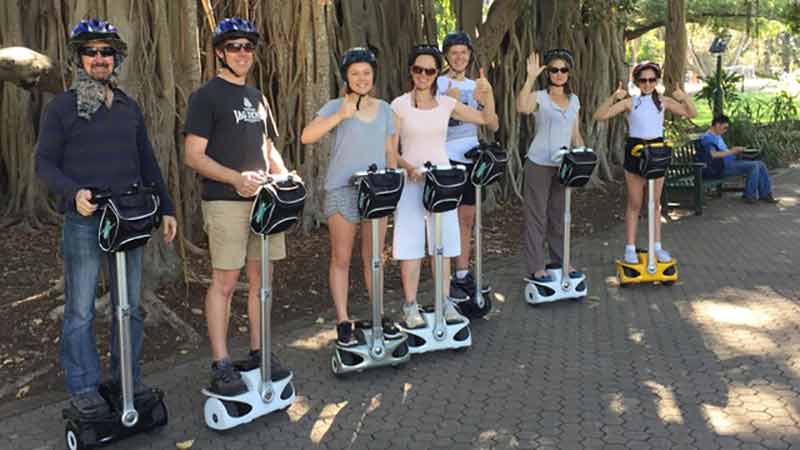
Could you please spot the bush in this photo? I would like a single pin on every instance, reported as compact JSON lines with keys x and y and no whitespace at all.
{"x":778,"y":137}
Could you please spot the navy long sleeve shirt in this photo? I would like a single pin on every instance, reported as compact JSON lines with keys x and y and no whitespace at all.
{"x":110,"y":151}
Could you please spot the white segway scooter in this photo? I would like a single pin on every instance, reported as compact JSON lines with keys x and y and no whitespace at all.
{"x":278,"y":205}
{"x":576,"y":169}
{"x":378,"y":194}
{"x":442,"y":193}
{"x":121,"y":229}
{"x":490,"y":162}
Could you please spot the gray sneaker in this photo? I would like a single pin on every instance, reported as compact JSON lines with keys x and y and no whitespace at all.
{"x":451,"y":313}
{"x":413,"y":318}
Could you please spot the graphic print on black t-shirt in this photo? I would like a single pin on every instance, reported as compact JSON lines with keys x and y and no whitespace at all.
{"x":465,"y":96}
{"x":236,"y":120}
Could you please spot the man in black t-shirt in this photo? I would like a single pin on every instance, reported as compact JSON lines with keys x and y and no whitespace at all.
{"x":229,"y":142}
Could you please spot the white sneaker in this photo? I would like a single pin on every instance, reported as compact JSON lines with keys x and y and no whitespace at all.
{"x":413,"y":319}
{"x":663,"y":256}
{"x":631,"y":257}
{"x":451,"y":313}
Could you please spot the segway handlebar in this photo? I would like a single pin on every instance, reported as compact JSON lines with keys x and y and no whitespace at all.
{"x":564,"y":150}
{"x":474,"y":152}
{"x":373,"y":169}
{"x":281,"y":178}
{"x":102,"y":195}
{"x":428,"y":167}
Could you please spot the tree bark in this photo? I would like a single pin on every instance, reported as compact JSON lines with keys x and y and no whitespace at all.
{"x":676,"y":46}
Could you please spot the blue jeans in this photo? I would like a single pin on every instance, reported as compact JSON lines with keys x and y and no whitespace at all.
{"x":758,"y":184}
{"x":82,"y":263}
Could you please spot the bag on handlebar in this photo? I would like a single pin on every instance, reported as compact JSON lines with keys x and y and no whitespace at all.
{"x":278,"y":206}
{"x":128,"y":220}
{"x":576,"y":168}
{"x":443,"y":189}
{"x":490,"y":163}
{"x":378,"y":193}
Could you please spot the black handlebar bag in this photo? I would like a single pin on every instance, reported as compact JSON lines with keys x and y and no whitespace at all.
{"x":490,"y":163}
{"x":278,"y":206}
{"x":576,"y":168}
{"x":443,"y":189}
{"x":127,"y":221}
{"x":378,"y":193}
{"x":654,"y":160}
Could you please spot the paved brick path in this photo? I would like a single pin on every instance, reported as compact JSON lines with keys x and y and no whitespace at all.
{"x":712,"y":362}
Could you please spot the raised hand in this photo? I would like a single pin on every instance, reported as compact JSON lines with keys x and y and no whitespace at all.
{"x":482,"y":88}
{"x":534,"y":66}
{"x":620,"y":93}
{"x":679,"y":95}
{"x":453,"y":91}
{"x":349,"y":106}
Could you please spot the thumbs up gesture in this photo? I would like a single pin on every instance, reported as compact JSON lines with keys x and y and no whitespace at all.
{"x":482,"y":89}
{"x":620,"y":93}
{"x":678,"y":94}
{"x":453,"y":91}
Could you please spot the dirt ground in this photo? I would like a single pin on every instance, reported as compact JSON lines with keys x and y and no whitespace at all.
{"x":30,"y":265}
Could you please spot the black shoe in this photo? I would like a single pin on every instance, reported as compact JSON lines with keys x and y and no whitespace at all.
{"x":90,"y":404}
{"x":749,"y":200}
{"x":344,"y":334}
{"x":253,"y":361}
{"x":461,"y":288}
{"x":769,"y":199}
{"x":389,"y":330}
{"x":226,"y":380}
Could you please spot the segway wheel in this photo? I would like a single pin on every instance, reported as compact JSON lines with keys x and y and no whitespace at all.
{"x":73,"y":437}
{"x":401,"y":350}
{"x":336,"y":368}
{"x":159,"y":415}
{"x":667,"y":283}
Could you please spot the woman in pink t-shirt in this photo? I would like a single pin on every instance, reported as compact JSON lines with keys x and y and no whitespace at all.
{"x":423,"y":117}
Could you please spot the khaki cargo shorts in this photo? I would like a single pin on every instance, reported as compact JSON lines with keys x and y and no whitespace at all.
{"x":230,"y":240}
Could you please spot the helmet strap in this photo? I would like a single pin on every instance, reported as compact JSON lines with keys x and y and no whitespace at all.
{"x":225,"y":65}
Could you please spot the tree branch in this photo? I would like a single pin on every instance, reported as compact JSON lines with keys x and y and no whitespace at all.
{"x":30,"y":70}
{"x":691,"y":18}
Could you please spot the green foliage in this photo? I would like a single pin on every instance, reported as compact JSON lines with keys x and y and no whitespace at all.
{"x":445,"y":19}
{"x":727,"y":83}
{"x":772,"y":125}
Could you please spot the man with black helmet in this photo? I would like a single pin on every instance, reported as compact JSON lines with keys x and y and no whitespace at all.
{"x":229,"y":135}
{"x":94,"y":136}
{"x":462,"y":137}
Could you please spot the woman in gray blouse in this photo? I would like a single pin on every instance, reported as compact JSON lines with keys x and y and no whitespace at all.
{"x":363,"y":130}
{"x":555,"y":110}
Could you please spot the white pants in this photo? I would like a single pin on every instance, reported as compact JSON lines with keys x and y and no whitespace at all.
{"x":412,"y":220}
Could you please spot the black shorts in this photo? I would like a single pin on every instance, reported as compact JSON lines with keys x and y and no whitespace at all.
{"x":631,"y":163}
{"x":468,"y":194}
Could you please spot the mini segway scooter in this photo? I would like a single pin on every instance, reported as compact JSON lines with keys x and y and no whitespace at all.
{"x":576,"y":169}
{"x":278,"y":205}
{"x":378,"y":194}
{"x":121,"y":229}
{"x":654,"y":161}
{"x":490,"y":162}
{"x":442,"y":193}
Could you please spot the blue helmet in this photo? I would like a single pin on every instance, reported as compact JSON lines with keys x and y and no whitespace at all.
{"x":358,"y":54}
{"x":456,"y":38}
{"x":95,"y":29}
{"x":233,"y":28}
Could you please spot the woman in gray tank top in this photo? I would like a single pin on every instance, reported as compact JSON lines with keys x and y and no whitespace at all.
{"x":556,"y":110}
{"x":363,"y":130}
{"x":646,"y":124}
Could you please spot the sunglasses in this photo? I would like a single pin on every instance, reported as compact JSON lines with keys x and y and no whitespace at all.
{"x":646,"y":80}
{"x":91,"y":52}
{"x":236,"y":47}
{"x":555,"y":70}
{"x":429,"y":71}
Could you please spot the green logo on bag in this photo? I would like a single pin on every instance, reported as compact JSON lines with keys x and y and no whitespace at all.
{"x":107,"y":227}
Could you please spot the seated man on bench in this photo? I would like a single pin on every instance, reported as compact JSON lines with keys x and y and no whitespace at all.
{"x":722,"y":161}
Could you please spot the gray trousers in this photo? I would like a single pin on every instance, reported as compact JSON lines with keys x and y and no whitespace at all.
{"x":544,"y":215}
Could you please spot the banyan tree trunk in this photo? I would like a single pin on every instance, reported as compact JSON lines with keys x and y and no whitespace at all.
{"x":676,"y":45}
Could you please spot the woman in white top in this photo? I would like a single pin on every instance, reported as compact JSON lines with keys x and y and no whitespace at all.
{"x":645,"y":125}
{"x":422,"y":128}
{"x":556,"y":110}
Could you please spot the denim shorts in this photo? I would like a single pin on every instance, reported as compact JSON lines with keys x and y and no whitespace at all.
{"x":342,"y":200}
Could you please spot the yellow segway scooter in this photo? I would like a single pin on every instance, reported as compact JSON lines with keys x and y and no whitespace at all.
{"x":655,"y":158}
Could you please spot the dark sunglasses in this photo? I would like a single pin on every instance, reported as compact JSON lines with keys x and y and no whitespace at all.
{"x":646,"y":80}
{"x":91,"y":52}
{"x":429,"y":71}
{"x":236,"y":47}
{"x":555,"y":70}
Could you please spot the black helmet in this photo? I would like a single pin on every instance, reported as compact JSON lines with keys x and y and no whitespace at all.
{"x":558,"y":53}
{"x":233,"y":28}
{"x":426,"y":49}
{"x":456,"y":38}
{"x":358,"y":54}
{"x":644,"y":65}
{"x":95,"y":30}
